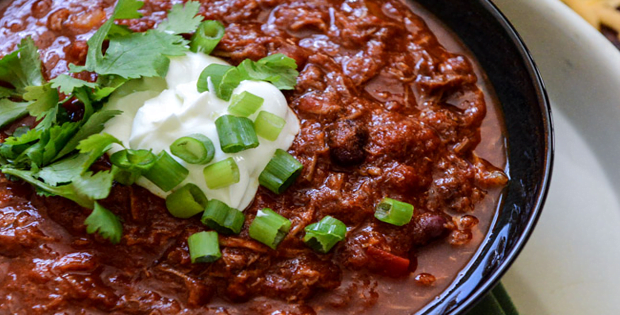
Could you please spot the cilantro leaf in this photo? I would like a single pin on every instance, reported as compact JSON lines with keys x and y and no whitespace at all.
{"x":96,"y":145}
{"x":6,"y":92}
{"x":107,"y":85}
{"x":83,"y":189}
{"x":14,"y":146}
{"x":30,"y":136}
{"x":11,"y":111}
{"x":278,"y":69}
{"x":64,"y":171}
{"x":95,"y":186}
{"x":97,"y":142}
{"x":94,"y":125}
{"x":66,"y":84}
{"x":125,"y":9}
{"x":140,"y":55}
{"x":51,"y":141}
{"x":22,"y":67}
{"x":44,"y":98}
{"x":133,"y":55}
{"x":181,"y":19}
{"x":119,"y":30}
{"x":51,"y":117}
{"x":104,"y":222}
{"x":278,"y":61}
{"x":67,"y":170}
{"x":128,"y":9}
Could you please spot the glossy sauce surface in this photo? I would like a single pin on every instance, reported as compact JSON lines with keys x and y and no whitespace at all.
{"x":385,"y":111}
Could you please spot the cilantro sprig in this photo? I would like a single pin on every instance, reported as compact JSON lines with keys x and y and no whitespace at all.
{"x":56,"y":155}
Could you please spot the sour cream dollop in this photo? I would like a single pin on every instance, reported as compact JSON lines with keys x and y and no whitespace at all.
{"x":156,"y":112}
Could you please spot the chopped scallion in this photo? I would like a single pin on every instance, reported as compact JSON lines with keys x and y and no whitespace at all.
{"x":394,"y":212}
{"x":230,"y":81}
{"x":193,"y":149}
{"x":166,"y":173}
{"x":124,"y":176}
{"x":141,"y":159}
{"x":128,"y":165}
{"x":280,"y":172}
{"x":214,"y":71}
{"x":323,"y":235}
{"x":268,"y":125}
{"x":235,"y":133}
{"x":222,"y":218}
{"x":204,"y":247}
{"x":221,"y":174}
{"x":186,"y":201}
{"x":269,"y":227}
{"x":207,"y":36}
{"x":245,"y":104}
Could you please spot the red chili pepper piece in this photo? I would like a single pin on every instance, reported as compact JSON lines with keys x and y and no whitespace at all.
{"x":388,"y":264}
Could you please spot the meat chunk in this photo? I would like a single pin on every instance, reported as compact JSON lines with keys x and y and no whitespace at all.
{"x":346,"y":140}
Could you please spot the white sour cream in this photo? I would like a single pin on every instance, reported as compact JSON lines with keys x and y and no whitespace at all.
{"x":156,"y":112}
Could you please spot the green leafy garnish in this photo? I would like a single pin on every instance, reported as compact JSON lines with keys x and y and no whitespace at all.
{"x":22,"y":68}
{"x":83,"y":189}
{"x":11,"y":111}
{"x":277,"y":69}
{"x":138,"y":55}
{"x":104,"y":222}
{"x":67,"y":84}
{"x":181,"y":19}
{"x":43,"y":99}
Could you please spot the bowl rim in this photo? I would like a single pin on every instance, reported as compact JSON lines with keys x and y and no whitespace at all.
{"x":486,"y":285}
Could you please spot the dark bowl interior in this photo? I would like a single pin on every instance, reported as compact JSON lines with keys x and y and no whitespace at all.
{"x":518,"y":85}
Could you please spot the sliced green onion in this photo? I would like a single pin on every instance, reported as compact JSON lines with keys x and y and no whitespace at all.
{"x":323,"y":235}
{"x":128,"y":165}
{"x":221,"y":174}
{"x":186,"y":201}
{"x":280,"y":172}
{"x":140,"y":159}
{"x":204,"y":247}
{"x":268,"y":125}
{"x":193,"y":149}
{"x":235,"y":133}
{"x":216,"y":73}
{"x":207,"y":36}
{"x":245,"y":104}
{"x":166,"y":173}
{"x":269,"y":227}
{"x":394,"y":212}
{"x":125,"y":177}
{"x":222,"y":218}
{"x":230,"y":81}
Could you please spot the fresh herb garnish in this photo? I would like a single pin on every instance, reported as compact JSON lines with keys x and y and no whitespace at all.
{"x":21,"y":68}
{"x":278,"y":69}
{"x":104,"y":222}
{"x":56,"y":155}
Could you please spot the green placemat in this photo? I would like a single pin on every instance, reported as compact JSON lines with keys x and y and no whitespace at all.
{"x":497,"y":302}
